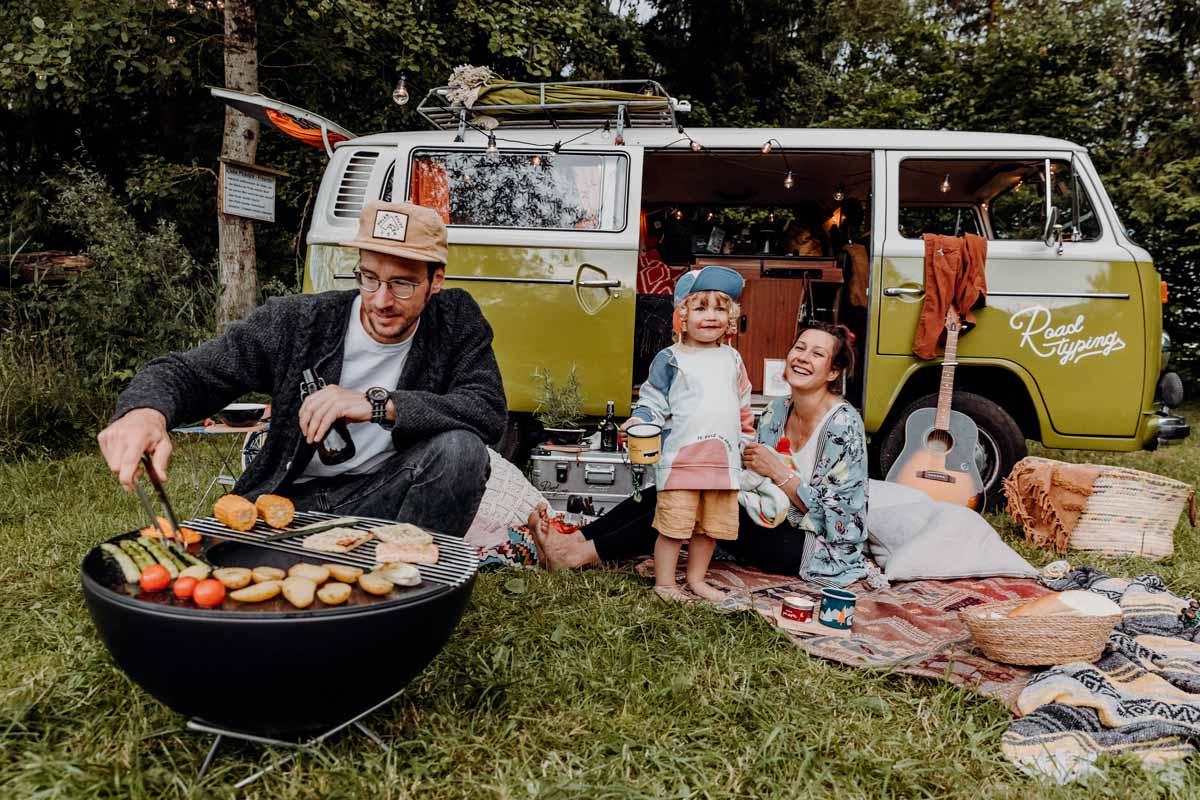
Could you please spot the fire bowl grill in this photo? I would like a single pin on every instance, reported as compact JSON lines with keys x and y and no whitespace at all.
{"x":273,"y":670}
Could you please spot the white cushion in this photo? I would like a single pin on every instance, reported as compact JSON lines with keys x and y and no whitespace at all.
{"x":937,"y":541}
{"x":509,"y":499}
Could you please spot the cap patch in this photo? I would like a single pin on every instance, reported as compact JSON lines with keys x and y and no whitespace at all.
{"x":390,"y":225}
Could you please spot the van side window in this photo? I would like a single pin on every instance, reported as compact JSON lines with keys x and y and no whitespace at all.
{"x":541,"y":190}
{"x":1009,"y":194}
{"x":945,"y":220}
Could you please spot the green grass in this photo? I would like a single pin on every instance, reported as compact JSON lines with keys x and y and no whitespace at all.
{"x":581,"y":685}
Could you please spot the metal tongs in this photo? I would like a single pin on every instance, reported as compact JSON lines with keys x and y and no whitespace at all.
{"x":170,"y":542}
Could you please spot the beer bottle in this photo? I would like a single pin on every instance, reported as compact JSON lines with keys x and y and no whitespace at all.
{"x":608,"y":431}
{"x":337,"y":447}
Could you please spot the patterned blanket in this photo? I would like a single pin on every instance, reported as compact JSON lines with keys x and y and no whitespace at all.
{"x":911,"y":628}
{"x":1142,"y":697}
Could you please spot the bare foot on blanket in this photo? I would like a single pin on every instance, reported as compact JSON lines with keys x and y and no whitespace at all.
{"x":561,"y":550}
{"x":707,"y":591}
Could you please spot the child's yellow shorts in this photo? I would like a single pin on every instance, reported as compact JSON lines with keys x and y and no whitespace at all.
{"x":680,"y":513}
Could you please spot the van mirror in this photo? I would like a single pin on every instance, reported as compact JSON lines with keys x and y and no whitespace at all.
{"x":1048,"y":234}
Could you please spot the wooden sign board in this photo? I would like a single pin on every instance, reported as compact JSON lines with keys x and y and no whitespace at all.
{"x":248,"y":191}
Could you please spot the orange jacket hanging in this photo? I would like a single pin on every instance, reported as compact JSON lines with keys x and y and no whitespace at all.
{"x":954,"y":275}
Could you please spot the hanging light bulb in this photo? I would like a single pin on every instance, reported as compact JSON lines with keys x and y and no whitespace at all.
{"x":945,"y":187}
{"x":707,"y":217}
{"x":679,"y":213}
{"x":170,"y":40}
{"x":771,"y":217}
{"x":695,"y":146}
{"x":400,"y":94}
{"x":493,"y":151}
{"x":766,"y":148}
{"x":839,"y":194}
{"x":789,"y":181}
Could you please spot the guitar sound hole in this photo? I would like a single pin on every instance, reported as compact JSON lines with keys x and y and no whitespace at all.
{"x":939,"y":441}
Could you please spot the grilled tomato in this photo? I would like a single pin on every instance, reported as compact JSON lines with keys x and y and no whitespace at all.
{"x":208,"y":593}
{"x":155,"y":578}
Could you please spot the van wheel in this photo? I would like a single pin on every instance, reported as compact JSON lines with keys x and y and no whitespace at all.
{"x":1001,"y":443}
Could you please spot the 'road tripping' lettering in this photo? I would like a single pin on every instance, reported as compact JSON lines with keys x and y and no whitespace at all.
{"x":1064,"y":341}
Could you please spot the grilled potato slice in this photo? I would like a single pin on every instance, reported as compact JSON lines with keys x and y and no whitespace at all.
{"x":264,"y":574}
{"x":197,"y":571}
{"x":400,"y":574}
{"x":258,"y":592}
{"x":299,"y":591}
{"x":233,"y":577}
{"x":333,"y":593}
{"x":343,"y":573}
{"x":311,"y":571}
{"x":372,"y":583}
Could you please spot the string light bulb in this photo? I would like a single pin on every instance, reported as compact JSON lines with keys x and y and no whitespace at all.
{"x":695,"y":146}
{"x":679,"y":213}
{"x":493,"y":151}
{"x":766,"y":147}
{"x":789,"y":181}
{"x":708,"y":217}
{"x":400,"y":95}
{"x":945,"y":187}
{"x":839,"y":194}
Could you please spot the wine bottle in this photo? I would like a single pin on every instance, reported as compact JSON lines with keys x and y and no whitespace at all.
{"x":337,"y":447}
{"x":608,"y":431}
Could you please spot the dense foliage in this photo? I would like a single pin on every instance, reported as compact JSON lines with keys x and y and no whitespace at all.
{"x":121,"y":86}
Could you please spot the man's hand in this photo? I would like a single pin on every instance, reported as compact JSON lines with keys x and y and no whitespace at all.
{"x":765,"y":462}
{"x":122,"y":443}
{"x":322,"y":408}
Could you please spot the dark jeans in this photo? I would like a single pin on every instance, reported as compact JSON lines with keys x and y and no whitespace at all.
{"x":436,"y":484}
{"x":625,"y":532}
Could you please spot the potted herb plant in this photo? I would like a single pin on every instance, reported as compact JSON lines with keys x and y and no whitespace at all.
{"x":560,"y":406}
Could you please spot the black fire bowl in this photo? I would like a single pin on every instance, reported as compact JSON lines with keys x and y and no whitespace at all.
{"x":271,"y":673}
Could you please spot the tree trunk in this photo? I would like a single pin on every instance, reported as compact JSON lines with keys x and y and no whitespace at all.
{"x":237,"y":271}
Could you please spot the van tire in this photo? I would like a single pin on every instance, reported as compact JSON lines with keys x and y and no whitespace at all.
{"x":1000,"y":439}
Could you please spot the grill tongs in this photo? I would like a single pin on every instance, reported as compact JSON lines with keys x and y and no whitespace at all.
{"x":170,"y":542}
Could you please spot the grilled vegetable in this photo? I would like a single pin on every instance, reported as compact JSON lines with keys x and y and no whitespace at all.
{"x":333,"y":594}
{"x":311,"y":571}
{"x":233,"y":577}
{"x":209,"y":593}
{"x":264,"y":574}
{"x":197,"y":571}
{"x":343,"y":573}
{"x":139,"y":554}
{"x":258,"y":592}
{"x":155,"y":578}
{"x":184,"y":586}
{"x":128,"y":568}
{"x":193,"y":561}
{"x":162,"y":556}
{"x":375,"y":584}
{"x":299,"y":591}
{"x":236,"y":512}
{"x":276,"y":511}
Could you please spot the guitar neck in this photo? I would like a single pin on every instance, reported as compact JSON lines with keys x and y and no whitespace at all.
{"x":946,"y":390}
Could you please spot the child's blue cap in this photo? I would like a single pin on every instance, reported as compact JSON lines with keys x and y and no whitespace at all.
{"x":721,"y":279}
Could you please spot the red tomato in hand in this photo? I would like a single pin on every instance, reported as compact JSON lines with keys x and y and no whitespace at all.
{"x":155,"y":578}
{"x":208,"y":593}
{"x":183,"y":587}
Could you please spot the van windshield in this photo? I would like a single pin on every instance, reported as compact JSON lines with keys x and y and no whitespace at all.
{"x":541,"y":190}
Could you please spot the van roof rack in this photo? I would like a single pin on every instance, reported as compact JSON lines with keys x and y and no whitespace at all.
{"x":550,"y":108}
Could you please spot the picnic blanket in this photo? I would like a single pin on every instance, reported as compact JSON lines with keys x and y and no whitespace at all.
{"x":911,"y":627}
{"x":1142,"y":697}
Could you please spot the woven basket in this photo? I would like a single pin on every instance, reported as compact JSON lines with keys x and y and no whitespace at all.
{"x":1131,"y":512}
{"x":1037,"y":640}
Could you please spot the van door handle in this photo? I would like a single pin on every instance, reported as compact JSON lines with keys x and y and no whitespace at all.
{"x":898,"y":291}
{"x":609,"y":283}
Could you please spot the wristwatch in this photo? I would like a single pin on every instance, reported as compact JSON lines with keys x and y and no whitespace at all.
{"x":379,"y":398}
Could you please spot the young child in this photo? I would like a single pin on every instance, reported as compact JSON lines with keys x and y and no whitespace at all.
{"x":699,"y":392}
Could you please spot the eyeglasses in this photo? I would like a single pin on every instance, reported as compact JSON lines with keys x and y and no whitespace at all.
{"x":401,"y":290}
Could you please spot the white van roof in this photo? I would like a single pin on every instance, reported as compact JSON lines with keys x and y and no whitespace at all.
{"x":736,"y":138}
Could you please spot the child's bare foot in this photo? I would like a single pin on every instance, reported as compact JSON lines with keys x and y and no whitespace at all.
{"x":673,"y":594}
{"x":706,"y":591}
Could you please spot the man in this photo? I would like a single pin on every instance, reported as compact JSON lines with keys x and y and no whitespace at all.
{"x":409,"y":366}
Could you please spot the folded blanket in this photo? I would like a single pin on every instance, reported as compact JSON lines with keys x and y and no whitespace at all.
{"x":763,"y":500}
{"x":1046,"y":498}
{"x":1141,"y":698}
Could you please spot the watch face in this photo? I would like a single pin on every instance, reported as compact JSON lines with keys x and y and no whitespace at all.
{"x":377,"y":394}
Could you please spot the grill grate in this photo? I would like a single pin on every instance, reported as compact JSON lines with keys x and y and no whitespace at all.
{"x":457,"y":561}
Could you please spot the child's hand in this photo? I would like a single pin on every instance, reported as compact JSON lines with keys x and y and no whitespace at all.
{"x":631,"y":421}
{"x":765,"y":462}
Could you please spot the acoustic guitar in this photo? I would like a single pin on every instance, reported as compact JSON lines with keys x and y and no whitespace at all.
{"x":939,"y":444}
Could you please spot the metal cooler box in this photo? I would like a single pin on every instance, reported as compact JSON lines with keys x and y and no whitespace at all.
{"x":600,"y":477}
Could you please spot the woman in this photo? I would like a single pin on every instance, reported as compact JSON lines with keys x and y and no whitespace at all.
{"x":825,"y":480}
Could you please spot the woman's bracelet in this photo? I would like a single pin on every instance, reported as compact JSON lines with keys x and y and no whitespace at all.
{"x":785,"y":481}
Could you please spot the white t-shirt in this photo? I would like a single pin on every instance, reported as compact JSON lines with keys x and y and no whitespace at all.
{"x":365,"y":363}
{"x":805,"y":459}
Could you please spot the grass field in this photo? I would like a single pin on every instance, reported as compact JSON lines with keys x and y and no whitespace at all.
{"x":556,"y":685}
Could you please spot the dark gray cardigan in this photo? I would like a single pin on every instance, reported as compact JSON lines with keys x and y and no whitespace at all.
{"x":450,"y":380}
